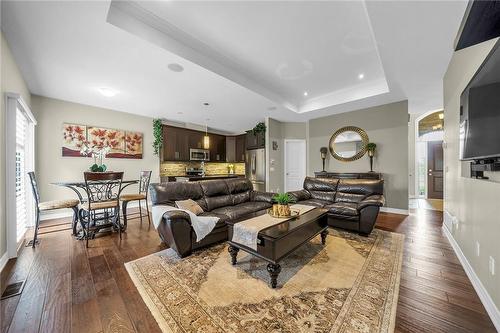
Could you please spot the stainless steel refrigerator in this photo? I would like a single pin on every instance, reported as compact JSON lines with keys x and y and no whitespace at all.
{"x":255,"y":168}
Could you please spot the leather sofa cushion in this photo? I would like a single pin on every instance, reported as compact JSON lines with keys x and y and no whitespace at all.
{"x":365,"y":187}
{"x":343,"y":208}
{"x":239,"y":185}
{"x":314,"y":202}
{"x":323,"y":195}
{"x":262,"y":196}
{"x":241,"y":197}
{"x":321,"y":184}
{"x":301,"y":195}
{"x":218,"y":201}
{"x":234,"y":212}
{"x":168,"y":193}
{"x":212,"y":188}
{"x":349,"y":197}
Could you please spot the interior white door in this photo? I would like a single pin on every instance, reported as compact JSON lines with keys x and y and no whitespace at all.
{"x":295,"y":164}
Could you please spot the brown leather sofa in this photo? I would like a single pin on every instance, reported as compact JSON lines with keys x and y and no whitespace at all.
{"x":352,"y":204}
{"x":227,"y":199}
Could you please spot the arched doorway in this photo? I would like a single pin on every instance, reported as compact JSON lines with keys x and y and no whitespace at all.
{"x":429,"y":161}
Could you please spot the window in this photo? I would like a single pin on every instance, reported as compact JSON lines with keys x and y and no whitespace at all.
{"x":21,"y":179}
{"x":20,"y":153}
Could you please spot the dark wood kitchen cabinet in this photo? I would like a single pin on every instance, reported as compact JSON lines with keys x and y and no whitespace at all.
{"x":240,"y":148}
{"x":255,"y":141}
{"x":217,"y":147}
{"x":175,"y":144}
{"x":235,"y":148}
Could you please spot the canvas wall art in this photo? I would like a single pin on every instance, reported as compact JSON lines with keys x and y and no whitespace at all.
{"x":122,"y":144}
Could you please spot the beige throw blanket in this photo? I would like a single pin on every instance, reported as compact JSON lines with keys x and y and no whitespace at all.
{"x":202,"y":225}
{"x":245,"y":232}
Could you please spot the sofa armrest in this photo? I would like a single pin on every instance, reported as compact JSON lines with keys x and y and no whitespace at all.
{"x":262,"y":196}
{"x":175,"y":230}
{"x":300,"y":195}
{"x":373,"y":200}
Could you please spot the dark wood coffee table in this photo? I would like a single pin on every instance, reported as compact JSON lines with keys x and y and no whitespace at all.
{"x":277,"y":242}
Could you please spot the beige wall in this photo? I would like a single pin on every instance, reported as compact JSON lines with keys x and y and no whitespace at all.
{"x":52,"y":167}
{"x":279,"y":132}
{"x":11,"y":81}
{"x":387,"y":126}
{"x":411,"y":155}
{"x":474,"y":202}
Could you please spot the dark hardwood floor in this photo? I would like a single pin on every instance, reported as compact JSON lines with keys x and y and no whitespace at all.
{"x":73,"y":289}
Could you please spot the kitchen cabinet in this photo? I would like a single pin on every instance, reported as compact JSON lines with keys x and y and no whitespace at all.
{"x":195,"y":139}
{"x":174,"y":144}
{"x":240,"y":148}
{"x":177,"y":141}
{"x":230,"y":149}
{"x":217,"y":147}
{"x":255,"y":141}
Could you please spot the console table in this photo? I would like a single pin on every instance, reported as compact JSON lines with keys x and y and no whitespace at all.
{"x":348,"y":175}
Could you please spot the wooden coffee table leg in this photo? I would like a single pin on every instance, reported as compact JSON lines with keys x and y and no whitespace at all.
{"x":234,"y":253}
{"x":274,"y":270}
{"x":324,"y":233}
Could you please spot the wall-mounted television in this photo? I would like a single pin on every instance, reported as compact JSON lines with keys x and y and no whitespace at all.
{"x":480,"y":112}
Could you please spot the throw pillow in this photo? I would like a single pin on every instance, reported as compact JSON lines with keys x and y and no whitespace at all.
{"x":190,"y":205}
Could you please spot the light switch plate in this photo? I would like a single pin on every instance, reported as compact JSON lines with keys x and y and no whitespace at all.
{"x":478,"y":248}
{"x":492,"y":265}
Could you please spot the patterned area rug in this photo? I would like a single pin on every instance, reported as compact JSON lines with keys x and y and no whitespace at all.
{"x":349,"y":285}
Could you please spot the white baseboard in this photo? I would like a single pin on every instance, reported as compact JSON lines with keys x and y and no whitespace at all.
{"x":488,"y":303}
{"x":3,"y":261}
{"x":62,"y":213}
{"x":394,"y":210}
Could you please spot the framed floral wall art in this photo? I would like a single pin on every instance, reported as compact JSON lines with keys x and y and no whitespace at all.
{"x":120,"y":143}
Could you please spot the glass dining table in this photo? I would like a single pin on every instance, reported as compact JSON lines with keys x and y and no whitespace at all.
{"x":80,"y":189}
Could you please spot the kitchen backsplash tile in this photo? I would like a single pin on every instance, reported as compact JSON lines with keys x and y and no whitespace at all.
{"x":179,"y":168}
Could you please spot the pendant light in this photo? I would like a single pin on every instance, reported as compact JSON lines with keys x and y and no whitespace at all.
{"x":206,"y":139}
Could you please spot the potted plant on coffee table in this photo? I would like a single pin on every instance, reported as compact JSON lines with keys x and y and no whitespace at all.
{"x":281,"y":207}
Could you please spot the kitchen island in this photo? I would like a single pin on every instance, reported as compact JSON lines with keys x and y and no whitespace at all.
{"x":192,"y":178}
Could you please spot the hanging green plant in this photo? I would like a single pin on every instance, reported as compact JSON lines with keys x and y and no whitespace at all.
{"x":259,"y":128}
{"x":158,"y":136}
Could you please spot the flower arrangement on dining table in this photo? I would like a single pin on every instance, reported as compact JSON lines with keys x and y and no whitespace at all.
{"x":98,"y":151}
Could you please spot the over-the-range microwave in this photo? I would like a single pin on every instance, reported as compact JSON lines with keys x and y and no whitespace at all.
{"x":199,"y":154}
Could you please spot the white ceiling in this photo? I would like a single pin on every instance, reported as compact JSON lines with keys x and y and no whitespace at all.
{"x":241,"y":57}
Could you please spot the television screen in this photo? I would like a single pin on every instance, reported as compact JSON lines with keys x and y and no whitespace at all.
{"x":480,"y":112}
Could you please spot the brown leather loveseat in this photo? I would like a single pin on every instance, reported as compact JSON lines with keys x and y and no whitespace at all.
{"x":352,"y":204}
{"x":227,"y":199}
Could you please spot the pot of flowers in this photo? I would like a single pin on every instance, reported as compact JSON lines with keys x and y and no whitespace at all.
{"x":98,"y":153}
{"x":281,"y":208}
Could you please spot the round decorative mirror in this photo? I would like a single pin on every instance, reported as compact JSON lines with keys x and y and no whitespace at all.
{"x":348,"y":143}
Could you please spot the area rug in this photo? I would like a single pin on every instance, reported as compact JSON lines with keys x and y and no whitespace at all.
{"x":350,"y":284}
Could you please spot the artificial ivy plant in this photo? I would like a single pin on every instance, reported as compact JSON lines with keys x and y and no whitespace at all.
{"x":259,"y":128}
{"x":158,"y":136}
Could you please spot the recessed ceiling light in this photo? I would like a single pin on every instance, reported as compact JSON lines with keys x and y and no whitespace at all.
{"x":361,"y":76}
{"x":305,"y":93}
{"x":107,"y":92}
{"x":175,"y":67}
{"x":206,"y":104}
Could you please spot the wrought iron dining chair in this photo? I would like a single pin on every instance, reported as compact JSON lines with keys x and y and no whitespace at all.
{"x":102,"y":208}
{"x":144,"y":179}
{"x":50,"y":205}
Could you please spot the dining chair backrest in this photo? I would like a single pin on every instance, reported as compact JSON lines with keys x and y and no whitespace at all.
{"x":34,"y":187}
{"x":144,"y":182}
{"x":103,"y":186}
